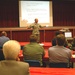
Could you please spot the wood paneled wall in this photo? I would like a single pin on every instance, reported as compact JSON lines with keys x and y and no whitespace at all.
{"x":22,"y":34}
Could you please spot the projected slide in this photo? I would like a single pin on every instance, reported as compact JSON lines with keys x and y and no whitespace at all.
{"x":29,"y":10}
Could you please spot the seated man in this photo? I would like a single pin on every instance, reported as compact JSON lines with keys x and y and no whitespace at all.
{"x":10,"y":66}
{"x":54,"y":39}
{"x":3,"y":38}
{"x":33,"y":51}
{"x":73,"y":44}
{"x":59,"y":53}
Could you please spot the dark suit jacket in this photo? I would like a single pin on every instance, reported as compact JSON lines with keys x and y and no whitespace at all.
{"x":12,"y":67}
{"x":1,"y":55}
{"x":54,"y":41}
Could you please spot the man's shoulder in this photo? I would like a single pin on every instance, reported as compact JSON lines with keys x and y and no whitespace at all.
{"x":23,"y":63}
{"x":10,"y":65}
{"x":17,"y":63}
{"x":0,"y":36}
{"x":67,"y":49}
{"x":27,"y":44}
{"x":52,"y":47}
{"x":3,"y":37}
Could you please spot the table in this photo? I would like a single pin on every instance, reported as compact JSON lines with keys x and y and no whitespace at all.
{"x":46,"y":45}
{"x":51,"y":71}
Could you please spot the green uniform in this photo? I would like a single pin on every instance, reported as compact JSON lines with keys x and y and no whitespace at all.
{"x":35,"y":31}
{"x":33,"y":51}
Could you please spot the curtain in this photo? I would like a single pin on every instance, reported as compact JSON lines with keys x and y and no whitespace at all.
{"x":9,"y":13}
{"x":63,"y":13}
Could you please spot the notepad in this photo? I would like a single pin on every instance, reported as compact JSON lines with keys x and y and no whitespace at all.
{"x":68,"y":34}
{"x":41,"y":44}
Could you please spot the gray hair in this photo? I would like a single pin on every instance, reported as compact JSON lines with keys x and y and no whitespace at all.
{"x":11,"y":49}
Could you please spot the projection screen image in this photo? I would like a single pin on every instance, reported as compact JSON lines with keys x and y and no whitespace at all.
{"x":29,"y":10}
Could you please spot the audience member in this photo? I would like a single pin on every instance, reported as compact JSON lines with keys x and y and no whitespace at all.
{"x":1,"y":55}
{"x":3,"y":38}
{"x":62,"y":31}
{"x":59,"y":53}
{"x":35,"y":26}
{"x":73,"y":44}
{"x":33,"y":51}
{"x":11,"y":65}
{"x":54,"y":39}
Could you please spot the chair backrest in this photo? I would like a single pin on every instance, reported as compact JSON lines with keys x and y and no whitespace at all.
{"x":33,"y":63}
{"x":0,"y":47}
{"x":59,"y":65}
{"x":1,"y":55}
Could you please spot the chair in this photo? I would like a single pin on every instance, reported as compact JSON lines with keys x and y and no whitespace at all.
{"x":33,"y":63}
{"x":1,"y":55}
{"x":0,"y":47}
{"x":59,"y":65}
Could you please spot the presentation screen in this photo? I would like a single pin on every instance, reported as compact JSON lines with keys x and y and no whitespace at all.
{"x":29,"y":10}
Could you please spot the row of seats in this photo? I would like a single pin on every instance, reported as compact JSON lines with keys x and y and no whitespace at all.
{"x":35,"y":63}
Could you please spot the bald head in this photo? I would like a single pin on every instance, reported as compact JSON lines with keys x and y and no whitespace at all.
{"x":36,"y":20}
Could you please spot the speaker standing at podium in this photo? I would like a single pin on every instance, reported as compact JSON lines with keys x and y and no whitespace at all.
{"x":35,"y":26}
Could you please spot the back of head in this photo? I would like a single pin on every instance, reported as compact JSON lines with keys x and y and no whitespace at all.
{"x":33,"y":38}
{"x":57,"y":33}
{"x":73,"y":40}
{"x":3,"y":33}
{"x":60,"y":39}
{"x":11,"y":49}
{"x":62,"y":31}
